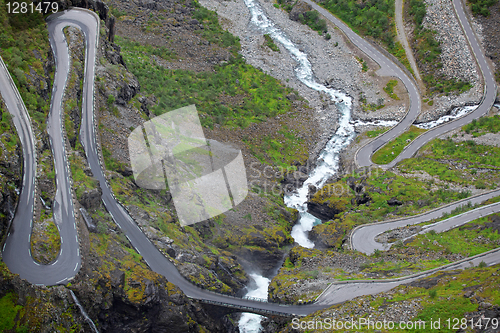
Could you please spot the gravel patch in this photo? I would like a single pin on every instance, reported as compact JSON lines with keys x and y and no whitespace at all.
{"x":489,"y":139}
{"x":456,"y":56}
{"x":333,"y":61}
{"x":397,"y":234}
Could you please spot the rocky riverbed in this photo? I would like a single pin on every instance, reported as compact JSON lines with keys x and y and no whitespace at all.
{"x":456,"y":56}
{"x":334,"y":63}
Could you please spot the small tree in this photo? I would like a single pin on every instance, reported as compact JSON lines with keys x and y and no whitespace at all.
{"x":111,"y":100}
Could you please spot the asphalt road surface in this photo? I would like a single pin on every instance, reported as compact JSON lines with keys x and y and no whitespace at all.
{"x":68,"y":262}
{"x":387,"y":68}
{"x":363,"y":237}
{"x":17,"y":248}
{"x":363,"y":155}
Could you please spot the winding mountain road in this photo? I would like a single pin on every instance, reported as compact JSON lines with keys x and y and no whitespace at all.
{"x":16,"y":250}
{"x":364,"y":154}
{"x":363,"y":238}
{"x":17,"y":247}
{"x":400,"y":28}
{"x":387,"y":68}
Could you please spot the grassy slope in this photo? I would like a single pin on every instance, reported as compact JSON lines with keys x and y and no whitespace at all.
{"x":22,"y":37}
{"x":420,"y":253}
{"x":481,"y":7}
{"x":392,"y":149}
{"x":427,"y":52}
{"x":464,"y":163}
{"x":443,"y":300}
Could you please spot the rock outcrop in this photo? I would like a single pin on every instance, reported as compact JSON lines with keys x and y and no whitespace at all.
{"x":299,"y":9}
{"x":323,"y":212}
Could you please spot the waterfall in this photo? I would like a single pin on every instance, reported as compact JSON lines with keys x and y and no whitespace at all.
{"x":328,"y":161}
{"x":82,"y":310}
{"x":250,"y":322}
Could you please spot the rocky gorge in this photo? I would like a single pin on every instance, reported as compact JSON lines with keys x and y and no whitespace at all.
{"x":115,"y":286}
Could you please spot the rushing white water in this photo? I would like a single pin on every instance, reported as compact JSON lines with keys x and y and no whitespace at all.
{"x":328,"y":161}
{"x":250,"y":322}
{"x":454,"y":114}
{"x":383,"y":123}
{"x":82,"y":310}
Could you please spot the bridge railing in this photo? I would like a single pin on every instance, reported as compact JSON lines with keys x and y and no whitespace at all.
{"x":249,"y":309}
{"x":248,"y":298}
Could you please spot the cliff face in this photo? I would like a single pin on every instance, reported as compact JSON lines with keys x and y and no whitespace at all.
{"x":97,"y":6}
{"x":115,"y":286}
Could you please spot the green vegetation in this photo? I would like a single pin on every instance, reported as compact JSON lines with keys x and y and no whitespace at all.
{"x":379,"y":188}
{"x":137,"y":48}
{"x":268,"y":41}
{"x":270,"y":148}
{"x":81,"y":181}
{"x":458,"y":241}
{"x":400,"y":267}
{"x":163,"y":223}
{"x":393,"y":148}
{"x":251,"y":95}
{"x":311,"y":18}
{"x":116,"y":12}
{"x":286,"y":4}
{"x":9,"y":310}
{"x":441,"y":301}
{"x":364,"y":66}
{"x":445,"y":86}
{"x":24,"y":47}
{"x":212,"y":30}
{"x":377,"y":132}
{"x":110,"y":162}
{"x":45,"y":239}
{"x":436,"y":155}
{"x":399,"y":52}
{"x":483,"y":125}
{"x":459,"y":210}
{"x":389,"y":89}
{"x":370,"y":18}
{"x":428,"y":52}
{"x":449,"y":301}
{"x":111,"y":100}
{"x":372,"y":106}
{"x":481,"y":7}
{"x":292,"y":272}
{"x":373,"y":19}
{"x":10,"y":139}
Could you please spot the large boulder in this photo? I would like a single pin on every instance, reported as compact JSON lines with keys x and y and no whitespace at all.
{"x":128,"y":91}
{"x":91,"y":198}
{"x":394,"y":202}
{"x":322,"y":211}
{"x":299,"y":8}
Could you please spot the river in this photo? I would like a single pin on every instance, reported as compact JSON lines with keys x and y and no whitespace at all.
{"x":327,"y":164}
{"x":328,"y":161}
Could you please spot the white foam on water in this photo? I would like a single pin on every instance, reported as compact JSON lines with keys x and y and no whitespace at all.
{"x":455,"y":113}
{"x":328,"y":161}
{"x":383,"y":123}
{"x":250,"y":322}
